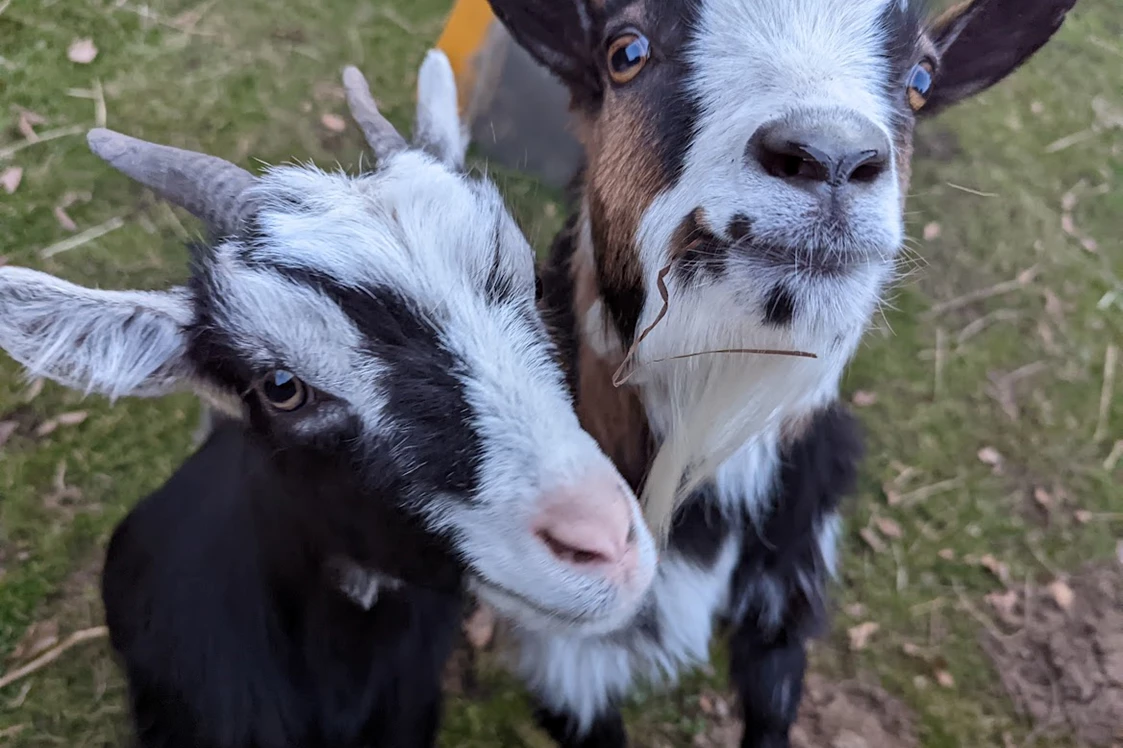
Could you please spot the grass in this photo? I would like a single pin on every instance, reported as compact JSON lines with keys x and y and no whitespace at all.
{"x":251,"y":80}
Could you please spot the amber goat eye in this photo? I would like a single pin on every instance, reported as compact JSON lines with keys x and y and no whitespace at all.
{"x":920,"y":84}
{"x":627,"y":55}
{"x":283,"y":391}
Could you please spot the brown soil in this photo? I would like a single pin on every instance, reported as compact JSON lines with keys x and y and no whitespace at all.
{"x":1064,"y":668}
{"x":847,"y":714}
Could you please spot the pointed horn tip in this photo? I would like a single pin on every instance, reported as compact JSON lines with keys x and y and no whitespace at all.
{"x":107,"y":144}
{"x":354,"y":78}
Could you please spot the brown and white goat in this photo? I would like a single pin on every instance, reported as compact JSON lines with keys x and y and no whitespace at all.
{"x":749,"y":161}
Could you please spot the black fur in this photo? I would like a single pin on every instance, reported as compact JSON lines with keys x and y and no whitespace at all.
{"x":232,"y":630}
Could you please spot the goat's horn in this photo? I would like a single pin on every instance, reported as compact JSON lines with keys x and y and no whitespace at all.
{"x":381,"y":136}
{"x":206,"y":186}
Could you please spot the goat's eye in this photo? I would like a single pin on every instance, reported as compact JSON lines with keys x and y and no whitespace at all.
{"x":627,"y":54}
{"x":920,"y":84}
{"x":283,"y":391}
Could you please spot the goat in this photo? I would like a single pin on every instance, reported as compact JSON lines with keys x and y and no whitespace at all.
{"x":746,"y":166}
{"x":395,"y":428}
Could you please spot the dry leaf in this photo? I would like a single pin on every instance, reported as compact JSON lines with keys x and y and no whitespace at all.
{"x":1003,"y":602}
{"x":947,"y":554}
{"x":64,"y":220}
{"x":33,"y":390}
{"x":81,"y":51}
{"x":931,"y":231}
{"x":1053,"y":306}
{"x":705,"y":704}
{"x":864,"y":399}
{"x":889,"y":528}
{"x":38,"y":638}
{"x":333,"y":122}
{"x":872,"y":540}
{"x":860,"y":634}
{"x":943,"y":677}
{"x":1067,"y":225}
{"x":855,"y":610}
{"x":1090,"y":245}
{"x":73,"y":418}
{"x":995,"y":567}
{"x":1043,"y":498}
{"x":26,"y":122}
{"x":7,"y":428}
{"x":47,"y":427}
{"x":10,"y":178}
{"x":1062,"y":594}
{"x":989,"y":456}
{"x":892,"y":495}
{"x":1083,"y":516}
{"x":480,"y":627}
{"x":913,"y":650}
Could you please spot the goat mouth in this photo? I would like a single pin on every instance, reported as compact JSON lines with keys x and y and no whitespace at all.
{"x":522,"y":600}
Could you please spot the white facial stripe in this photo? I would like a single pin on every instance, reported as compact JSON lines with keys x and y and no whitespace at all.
{"x":438,"y":231}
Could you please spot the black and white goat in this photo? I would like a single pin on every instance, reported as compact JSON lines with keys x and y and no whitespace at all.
{"x":753,"y":157}
{"x":398,"y":427}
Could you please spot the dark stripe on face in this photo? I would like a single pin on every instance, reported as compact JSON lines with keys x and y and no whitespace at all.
{"x":779,"y":308}
{"x":619,"y":277}
{"x":425,"y":398}
{"x":696,"y":249}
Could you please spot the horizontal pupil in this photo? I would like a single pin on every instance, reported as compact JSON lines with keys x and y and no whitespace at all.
{"x":921,"y":80}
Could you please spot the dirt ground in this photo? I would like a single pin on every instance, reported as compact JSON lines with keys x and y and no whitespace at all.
{"x":1063,"y":663}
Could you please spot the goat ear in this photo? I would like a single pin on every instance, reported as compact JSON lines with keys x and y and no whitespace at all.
{"x":111,"y":342}
{"x":560,"y":34}
{"x":983,"y":41}
{"x":438,"y":129}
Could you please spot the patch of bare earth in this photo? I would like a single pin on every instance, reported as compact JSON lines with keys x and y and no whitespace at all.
{"x":1063,"y":663}
{"x":834,"y":714}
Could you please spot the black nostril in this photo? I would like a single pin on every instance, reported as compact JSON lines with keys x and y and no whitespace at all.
{"x":864,"y":166}
{"x":568,"y":553}
{"x":813,"y":147}
{"x":791,"y":160}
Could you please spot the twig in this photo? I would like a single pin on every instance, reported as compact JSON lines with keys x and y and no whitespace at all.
{"x":4,"y":5}
{"x":79,"y":239}
{"x":970,"y":191}
{"x":977,"y":326}
{"x":60,"y":132}
{"x":979,"y":616}
{"x":99,"y":104}
{"x":98,"y":632}
{"x":1024,"y":278}
{"x":1111,"y":359}
{"x":941,"y":360}
{"x":926,"y":492}
{"x":1113,"y":456}
{"x":1070,"y":140}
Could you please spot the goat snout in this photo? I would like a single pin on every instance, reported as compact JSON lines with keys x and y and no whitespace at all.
{"x":816,"y":149}
{"x":590,"y":527}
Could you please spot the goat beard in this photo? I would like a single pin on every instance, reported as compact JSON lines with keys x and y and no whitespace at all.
{"x":708,"y":407}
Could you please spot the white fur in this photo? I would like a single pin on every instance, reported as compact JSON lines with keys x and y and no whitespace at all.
{"x":434,"y":236}
{"x":110,"y":342}
{"x":775,"y":56}
{"x":721,"y":416}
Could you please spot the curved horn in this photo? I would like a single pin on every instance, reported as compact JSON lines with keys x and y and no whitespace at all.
{"x":206,"y":186}
{"x":381,"y":136}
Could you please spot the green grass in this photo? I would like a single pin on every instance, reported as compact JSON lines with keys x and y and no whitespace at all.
{"x":250,"y":80}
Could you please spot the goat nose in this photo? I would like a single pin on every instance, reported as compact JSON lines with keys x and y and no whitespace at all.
{"x":812,"y":148}
{"x":590,"y":525}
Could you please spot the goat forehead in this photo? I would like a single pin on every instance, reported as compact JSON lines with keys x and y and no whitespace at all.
{"x":756,"y":59}
{"x":413,"y":226}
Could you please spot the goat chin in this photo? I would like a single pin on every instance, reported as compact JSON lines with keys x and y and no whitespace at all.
{"x":708,"y":407}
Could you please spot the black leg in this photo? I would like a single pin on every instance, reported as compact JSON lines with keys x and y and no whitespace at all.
{"x":607,"y":732}
{"x":768,"y":676}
